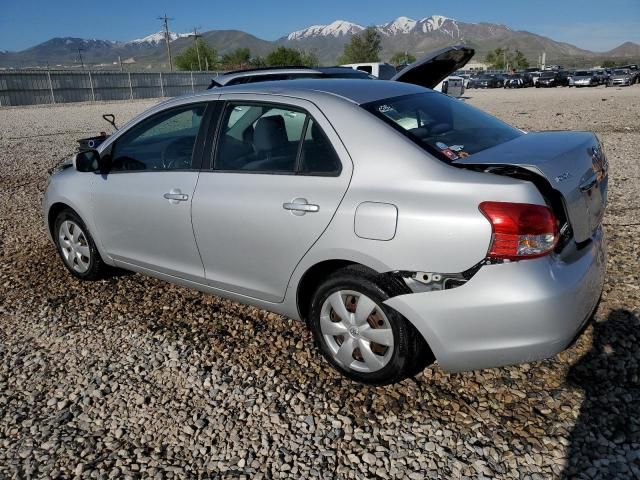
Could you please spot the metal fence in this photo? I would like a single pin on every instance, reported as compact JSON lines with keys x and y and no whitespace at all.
{"x":41,"y":87}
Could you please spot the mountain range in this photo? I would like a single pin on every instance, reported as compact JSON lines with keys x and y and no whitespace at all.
{"x":326,"y":41}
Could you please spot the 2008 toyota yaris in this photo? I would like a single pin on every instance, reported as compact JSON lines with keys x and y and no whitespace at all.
{"x":402,"y":225}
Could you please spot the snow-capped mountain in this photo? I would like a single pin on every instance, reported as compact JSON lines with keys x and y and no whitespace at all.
{"x":434,"y":25}
{"x":338,"y":28}
{"x":399,"y":25}
{"x":157,"y":37}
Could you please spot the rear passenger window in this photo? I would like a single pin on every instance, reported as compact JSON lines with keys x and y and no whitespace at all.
{"x":317,"y":155}
{"x":273,"y":139}
{"x":259,"y":138}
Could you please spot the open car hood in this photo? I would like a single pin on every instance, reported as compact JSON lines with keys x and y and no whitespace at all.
{"x":429,"y":71}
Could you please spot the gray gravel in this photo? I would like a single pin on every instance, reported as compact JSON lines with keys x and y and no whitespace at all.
{"x":133,"y":377}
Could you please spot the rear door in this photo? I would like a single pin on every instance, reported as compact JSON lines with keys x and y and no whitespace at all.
{"x":277,"y":177}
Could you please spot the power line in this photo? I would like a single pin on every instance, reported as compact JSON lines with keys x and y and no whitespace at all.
{"x":195,"y":36}
{"x":80,"y":50}
{"x":167,"y":39}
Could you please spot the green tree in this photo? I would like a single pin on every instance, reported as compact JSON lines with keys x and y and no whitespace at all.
{"x":258,"y":62}
{"x":236,"y":58}
{"x":363,"y":47}
{"x":519,"y":61}
{"x":283,"y":56}
{"x":402,"y":58}
{"x":503,"y":58}
{"x":608,"y":63}
{"x":188,"y":59}
{"x":496,"y":59}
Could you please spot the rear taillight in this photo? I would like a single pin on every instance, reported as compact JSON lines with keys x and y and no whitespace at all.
{"x":520,"y":230}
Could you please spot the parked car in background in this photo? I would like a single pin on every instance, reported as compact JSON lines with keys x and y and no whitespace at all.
{"x":620,"y":77}
{"x":634,"y":70}
{"x":420,"y":72}
{"x":548,"y":79}
{"x":500,"y":78}
{"x":401,"y":225}
{"x":486,"y":81}
{"x":535,"y":74}
{"x":518,"y":80}
{"x":266,"y":74}
{"x":383,"y":71}
{"x":583,"y":78}
{"x":562,"y":77}
{"x":601,"y":75}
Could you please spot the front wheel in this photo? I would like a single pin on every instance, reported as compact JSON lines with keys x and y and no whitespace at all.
{"x":77,"y":248}
{"x":359,"y":335}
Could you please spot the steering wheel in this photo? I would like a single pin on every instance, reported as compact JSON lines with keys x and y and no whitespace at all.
{"x":177,"y":155}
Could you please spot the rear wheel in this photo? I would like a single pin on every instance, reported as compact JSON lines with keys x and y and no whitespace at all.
{"x":359,"y":335}
{"x":77,"y":248}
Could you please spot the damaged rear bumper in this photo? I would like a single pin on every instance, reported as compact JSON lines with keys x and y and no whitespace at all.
{"x":510,"y":313}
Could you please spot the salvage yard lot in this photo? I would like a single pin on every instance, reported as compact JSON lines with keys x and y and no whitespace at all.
{"x":133,"y":376}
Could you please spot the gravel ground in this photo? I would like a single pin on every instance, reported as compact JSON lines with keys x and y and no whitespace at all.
{"x":133,"y":377}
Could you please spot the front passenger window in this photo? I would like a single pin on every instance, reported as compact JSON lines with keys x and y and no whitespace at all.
{"x":164,"y":141}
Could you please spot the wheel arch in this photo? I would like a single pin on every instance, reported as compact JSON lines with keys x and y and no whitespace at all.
{"x":61,"y":205}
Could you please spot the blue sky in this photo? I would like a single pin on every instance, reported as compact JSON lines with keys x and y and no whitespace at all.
{"x":591,"y":24}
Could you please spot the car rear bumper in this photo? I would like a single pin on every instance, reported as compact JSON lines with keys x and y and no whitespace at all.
{"x":510,"y":313}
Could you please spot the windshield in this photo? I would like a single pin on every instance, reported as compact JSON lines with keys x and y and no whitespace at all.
{"x":548,"y":75}
{"x":583,"y":74}
{"x":619,"y":72}
{"x":442,"y":124}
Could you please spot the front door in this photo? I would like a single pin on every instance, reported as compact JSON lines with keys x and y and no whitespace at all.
{"x":142,"y":207}
{"x":275,"y":185}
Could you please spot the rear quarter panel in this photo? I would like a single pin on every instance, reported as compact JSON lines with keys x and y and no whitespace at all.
{"x":439,"y":228}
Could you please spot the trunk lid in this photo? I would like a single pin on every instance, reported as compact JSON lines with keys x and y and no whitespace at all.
{"x":429,"y":71}
{"x":573,"y":164}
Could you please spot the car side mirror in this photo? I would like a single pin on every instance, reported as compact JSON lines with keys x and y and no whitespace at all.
{"x":87,"y":161}
{"x":92,"y":161}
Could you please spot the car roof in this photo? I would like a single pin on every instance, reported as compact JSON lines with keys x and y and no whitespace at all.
{"x":358,"y":91}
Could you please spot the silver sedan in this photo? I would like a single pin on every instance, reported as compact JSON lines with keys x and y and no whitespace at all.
{"x":402,"y":225}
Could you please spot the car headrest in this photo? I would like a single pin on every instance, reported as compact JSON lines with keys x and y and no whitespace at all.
{"x":269,"y":134}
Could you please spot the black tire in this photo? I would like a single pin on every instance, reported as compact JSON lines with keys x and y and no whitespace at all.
{"x":410,"y":354}
{"x":97,"y":269}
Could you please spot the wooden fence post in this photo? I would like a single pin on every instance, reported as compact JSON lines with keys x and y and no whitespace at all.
{"x":193,"y":90}
{"x":130,"y":86}
{"x":161,"y":86}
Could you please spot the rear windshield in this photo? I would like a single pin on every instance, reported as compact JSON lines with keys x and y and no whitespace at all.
{"x":443,"y":125}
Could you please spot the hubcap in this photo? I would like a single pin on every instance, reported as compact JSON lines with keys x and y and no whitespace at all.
{"x":357,"y":331}
{"x":74,"y":246}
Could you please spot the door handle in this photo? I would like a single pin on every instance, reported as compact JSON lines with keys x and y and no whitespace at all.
{"x":175,"y":196}
{"x":300,"y":206}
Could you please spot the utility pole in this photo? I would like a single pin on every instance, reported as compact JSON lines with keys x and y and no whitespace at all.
{"x":120,"y":62}
{"x":80,"y":50}
{"x":167,"y":38}
{"x":195,"y":36}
